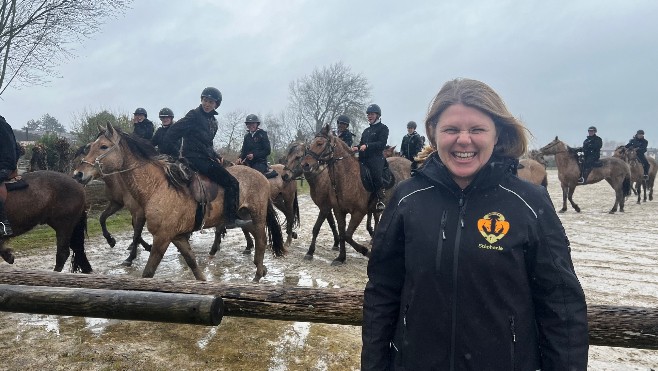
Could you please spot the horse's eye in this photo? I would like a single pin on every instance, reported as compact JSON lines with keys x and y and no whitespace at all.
{"x":104,"y":147}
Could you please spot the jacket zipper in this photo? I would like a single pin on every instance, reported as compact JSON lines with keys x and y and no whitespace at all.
{"x":439,"y":247}
{"x":513,"y":347}
{"x":455,"y":265}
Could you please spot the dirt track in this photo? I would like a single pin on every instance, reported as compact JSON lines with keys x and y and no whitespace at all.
{"x":614,"y":256}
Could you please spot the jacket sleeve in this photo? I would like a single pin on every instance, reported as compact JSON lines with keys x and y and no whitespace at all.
{"x":379,"y":144}
{"x":418,"y":145}
{"x":560,"y":308}
{"x":264,"y":149}
{"x":243,"y":150}
{"x":598,"y":145}
{"x":149,"y":130}
{"x":156,"y":140}
{"x":8,"y":145}
{"x":178,"y":130}
{"x":381,"y":303}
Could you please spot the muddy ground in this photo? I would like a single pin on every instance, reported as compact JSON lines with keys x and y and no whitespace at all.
{"x":614,"y":255}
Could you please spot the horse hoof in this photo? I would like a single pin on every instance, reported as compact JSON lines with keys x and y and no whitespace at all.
{"x":8,"y":256}
{"x":247,"y":252}
{"x":147,"y":247}
{"x":127,"y":263}
{"x":562,"y":210}
{"x":111,"y":241}
{"x":337,"y":262}
{"x":308,"y":257}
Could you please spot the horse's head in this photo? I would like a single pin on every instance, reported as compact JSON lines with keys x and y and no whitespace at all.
{"x":320,"y":150}
{"x":292,"y":166}
{"x":389,"y":151}
{"x":554,"y":147}
{"x":620,"y":152}
{"x":100,"y":156}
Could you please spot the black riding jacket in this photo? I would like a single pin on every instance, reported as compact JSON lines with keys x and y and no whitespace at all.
{"x":411,"y":145}
{"x":592,"y":148}
{"x":640,"y":145}
{"x":257,"y":143}
{"x":374,"y":137}
{"x":9,"y":150}
{"x":347,"y":136}
{"x":164,"y":147}
{"x":144,"y":129}
{"x":197,"y":131}
{"x":473,"y":279}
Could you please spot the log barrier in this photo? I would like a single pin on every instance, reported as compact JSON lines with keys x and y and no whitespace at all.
{"x":628,"y":327}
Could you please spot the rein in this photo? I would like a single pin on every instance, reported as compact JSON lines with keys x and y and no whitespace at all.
{"x":99,"y":165}
{"x":329,"y":160}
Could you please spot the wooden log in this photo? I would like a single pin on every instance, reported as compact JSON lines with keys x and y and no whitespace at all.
{"x":116,"y":304}
{"x":629,"y":327}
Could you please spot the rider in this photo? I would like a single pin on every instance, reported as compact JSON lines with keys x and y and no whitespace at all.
{"x":255,"y":147}
{"x":342,"y":123}
{"x":167,"y":118}
{"x":143,"y":126}
{"x":412,"y":143}
{"x":197,"y":131}
{"x":640,"y":144}
{"x":591,"y":153}
{"x":9,"y":153}
{"x":373,"y":141}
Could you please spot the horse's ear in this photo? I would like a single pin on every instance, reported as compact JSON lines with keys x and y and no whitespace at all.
{"x":100,"y":129}
{"x":556,"y":137}
{"x":326,"y":129}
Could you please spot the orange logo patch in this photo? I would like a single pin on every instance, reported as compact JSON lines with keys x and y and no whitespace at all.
{"x":493,"y":227}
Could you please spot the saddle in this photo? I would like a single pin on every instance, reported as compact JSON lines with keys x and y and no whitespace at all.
{"x":15,"y":183}
{"x":202,"y":189}
{"x":388,"y":180}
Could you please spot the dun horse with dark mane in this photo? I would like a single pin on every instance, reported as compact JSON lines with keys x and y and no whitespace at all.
{"x":637,"y":172}
{"x":54,"y":199}
{"x":615,"y":171}
{"x":170,"y":208}
{"x":350,"y":196}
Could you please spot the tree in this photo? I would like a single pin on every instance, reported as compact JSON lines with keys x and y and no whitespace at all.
{"x":230,"y":133}
{"x":86,"y":124}
{"x":46,"y":124}
{"x":279,"y":133}
{"x":319,"y":98}
{"x":37,"y":35}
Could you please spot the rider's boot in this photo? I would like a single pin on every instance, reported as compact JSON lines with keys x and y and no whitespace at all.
{"x":583,"y":177}
{"x":5,"y":227}
{"x":231,"y":195}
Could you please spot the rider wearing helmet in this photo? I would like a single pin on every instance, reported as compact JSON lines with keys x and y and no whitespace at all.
{"x":143,"y":127}
{"x":640,"y":144}
{"x":197,"y":131}
{"x":412,"y":143}
{"x":373,"y":141}
{"x":591,"y":153}
{"x":343,"y":132}
{"x":10,"y":151}
{"x":255,"y":146}
{"x":167,"y":118}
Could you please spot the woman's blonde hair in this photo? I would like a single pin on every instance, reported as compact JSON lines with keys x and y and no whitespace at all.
{"x":512,"y":135}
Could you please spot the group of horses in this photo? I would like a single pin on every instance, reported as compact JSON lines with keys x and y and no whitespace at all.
{"x":173,"y":202}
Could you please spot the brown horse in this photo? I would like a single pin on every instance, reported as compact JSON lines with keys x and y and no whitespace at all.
{"x":615,"y":171}
{"x":532,"y":171}
{"x":390,"y":151}
{"x":637,"y":171}
{"x":321,"y":192}
{"x":57,"y":200}
{"x":170,"y":209}
{"x":349,"y":194}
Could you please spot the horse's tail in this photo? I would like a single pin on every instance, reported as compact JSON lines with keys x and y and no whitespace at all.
{"x":79,"y":262}
{"x":295,"y":212}
{"x":274,"y":234}
{"x":544,"y":181}
{"x":626,"y":185}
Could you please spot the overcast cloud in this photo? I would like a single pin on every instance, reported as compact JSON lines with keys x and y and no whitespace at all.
{"x":560,"y":65}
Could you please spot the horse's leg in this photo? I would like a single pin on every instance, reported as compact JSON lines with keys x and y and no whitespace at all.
{"x":63,"y":243}
{"x":322,"y":215}
{"x":355,"y":220}
{"x":250,"y":242}
{"x":369,"y":228}
{"x":638,"y":187}
{"x":334,"y":231}
{"x":111,"y":208}
{"x":565,"y":190}
{"x":6,"y":253}
{"x":138,"y":226}
{"x":260,"y":238}
{"x":570,"y":197}
{"x":139,"y":220}
{"x":160,"y":245}
{"x":216,"y":245}
{"x":340,"y":218}
{"x":183,"y":245}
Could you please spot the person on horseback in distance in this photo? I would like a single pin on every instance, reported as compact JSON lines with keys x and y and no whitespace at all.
{"x":196,"y":132}
{"x":342,"y":130}
{"x":167,"y":118}
{"x":256,"y":147}
{"x":373,"y":141}
{"x":640,"y":145}
{"x":10,"y":151}
{"x":143,"y":127}
{"x":591,"y":153}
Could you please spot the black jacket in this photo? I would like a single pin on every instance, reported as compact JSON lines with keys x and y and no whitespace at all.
{"x":144,"y":129}
{"x":9,"y":150}
{"x":164,"y":147}
{"x":640,"y":145}
{"x":257,"y":143}
{"x":347,"y":136}
{"x":592,"y":148}
{"x":374,"y":137}
{"x":197,"y":131}
{"x":411,"y":145}
{"x":473,"y":279}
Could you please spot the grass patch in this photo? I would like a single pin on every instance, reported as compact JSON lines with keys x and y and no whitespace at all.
{"x":44,"y":236}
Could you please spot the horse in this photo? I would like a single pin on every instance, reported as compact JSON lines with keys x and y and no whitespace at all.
{"x":54,"y":199}
{"x":532,"y":171}
{"x":390,"y":151}
{"x":349,"y":194}
{"x":170,"y":207}
{"x":637,"y":171}
{"x":118,"y":196}
{"x":321,"y":192}
{"x":39,"y":159}
{"x":615,"y":171}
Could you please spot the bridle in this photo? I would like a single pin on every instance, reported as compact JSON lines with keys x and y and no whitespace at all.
{"x":551,"y":146}
{"x":97,"y":164}
{"x":327,"y":154}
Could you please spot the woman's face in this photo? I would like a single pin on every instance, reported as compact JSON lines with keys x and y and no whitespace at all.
{"x":465,"y":139}
{"x":207,"y":104}
{"x":166,"y":120}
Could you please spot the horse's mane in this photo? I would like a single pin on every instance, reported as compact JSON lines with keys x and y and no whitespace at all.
{"x":293,"y":146}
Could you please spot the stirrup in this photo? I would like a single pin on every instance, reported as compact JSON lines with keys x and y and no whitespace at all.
{"x":380,"y":206}
{"x":238,"y":223}
{"x":581,"y":180}
{"x":5,"y":229}
{"x":646,"y":176}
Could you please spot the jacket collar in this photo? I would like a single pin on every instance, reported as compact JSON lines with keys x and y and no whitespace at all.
{"x":206,"y":114}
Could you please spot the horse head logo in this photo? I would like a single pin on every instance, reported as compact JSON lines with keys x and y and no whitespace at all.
{"x":493,"y":227}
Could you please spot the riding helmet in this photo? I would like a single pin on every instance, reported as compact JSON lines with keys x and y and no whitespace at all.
{"x":343,"y":119}
{"x":373,"y":108}
{"x":591,"y":128}
{"x":252,"y":119}
{"x":640,"y":132}
{"x":214,"y":94}
{"x":140,"y":111}
{"x":411,"y":125}
{"x":166,"y":112}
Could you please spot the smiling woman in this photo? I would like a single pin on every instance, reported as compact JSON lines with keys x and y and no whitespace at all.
{"x":470,"y":266}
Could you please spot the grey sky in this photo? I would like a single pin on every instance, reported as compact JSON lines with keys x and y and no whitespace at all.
{"x":560,"y":65}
